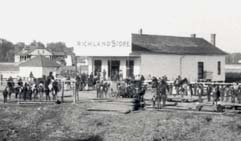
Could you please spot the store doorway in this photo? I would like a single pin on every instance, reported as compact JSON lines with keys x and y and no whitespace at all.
{"x":113,"y":69}
{"x":97,"y":67}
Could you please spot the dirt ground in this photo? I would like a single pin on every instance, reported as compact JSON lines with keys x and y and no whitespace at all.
{"x":73,"y":122}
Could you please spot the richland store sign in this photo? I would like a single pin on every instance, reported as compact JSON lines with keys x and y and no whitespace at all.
{"x":103,"y":48}
{"x":112,"y":43}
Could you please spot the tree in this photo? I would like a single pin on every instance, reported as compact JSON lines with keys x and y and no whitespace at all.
{"x":37,"y":44}
{"x":19,"y":46}
{"x":6,"y":51}
{"x":233,"y":58}
{"x":58,"y":46}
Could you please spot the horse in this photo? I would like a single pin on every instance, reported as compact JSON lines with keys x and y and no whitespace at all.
{"x":102,"y":89}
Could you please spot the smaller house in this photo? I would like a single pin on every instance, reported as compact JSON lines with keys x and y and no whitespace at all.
{"x":65,"y":57}
{"x":38,"y":66}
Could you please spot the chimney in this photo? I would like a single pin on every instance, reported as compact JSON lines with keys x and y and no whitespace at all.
{"x":213,"y":39}
{"x":140,"y":31}
{"x":193,"y":35}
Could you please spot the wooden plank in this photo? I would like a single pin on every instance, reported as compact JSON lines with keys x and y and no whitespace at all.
{"x":38,"y":102}
{"x":105,"y":110}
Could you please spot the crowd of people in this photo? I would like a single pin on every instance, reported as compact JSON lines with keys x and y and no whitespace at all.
{"x":214,"y":92}
{"x":47,"y":88}
{"x":32,"y":89}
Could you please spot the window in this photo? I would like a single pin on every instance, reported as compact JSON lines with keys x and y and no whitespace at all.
{"x":200,"y":72}
{"x":219,"y":67}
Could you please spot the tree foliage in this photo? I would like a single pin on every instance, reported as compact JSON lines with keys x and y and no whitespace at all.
{"x":8,"y":49}
{"x":58,"y":46}
{"x":233,"y":58}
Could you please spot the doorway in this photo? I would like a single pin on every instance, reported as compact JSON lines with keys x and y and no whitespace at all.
{"x":113,"y":69}
{"x":97,"y":67}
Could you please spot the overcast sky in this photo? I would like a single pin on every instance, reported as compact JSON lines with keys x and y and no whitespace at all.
{"x":79,"y":20}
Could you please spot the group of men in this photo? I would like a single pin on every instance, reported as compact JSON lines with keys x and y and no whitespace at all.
{"x":159,"y":90}
{"x":213,"y":92}
{"x":32,"y":89}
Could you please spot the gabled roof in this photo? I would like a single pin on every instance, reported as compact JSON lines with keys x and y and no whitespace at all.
{"x":143,"y":43}
{"x":40,"y":61}
{"x":28,"y":50}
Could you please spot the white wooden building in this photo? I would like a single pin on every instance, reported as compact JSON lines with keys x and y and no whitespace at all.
{"x":156,"y":55}
{"x":28,"y":53}
{"x":38,"y":66}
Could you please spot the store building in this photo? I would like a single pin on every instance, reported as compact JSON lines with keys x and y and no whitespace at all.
{"x":155,"y":55}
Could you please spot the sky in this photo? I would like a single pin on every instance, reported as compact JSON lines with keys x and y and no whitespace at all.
{"x":71,"y":21}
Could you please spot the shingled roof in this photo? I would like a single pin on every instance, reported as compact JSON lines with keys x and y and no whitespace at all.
{"x":40,"y":61}
{"x":143,"y":43}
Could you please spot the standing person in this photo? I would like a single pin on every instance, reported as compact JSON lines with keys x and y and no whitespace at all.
{"x":227,"y":93}
{"x":185,"y":87}
{"x":177,"y":84}
{"x":235,"y":91}
{"x":78,"y":83}
{"x":154,"y":90}
{"x":209,"y":91}
{"x":10,"y":85}
{"x":163,"y":88}
{"x":222,"y":89}
{"x":232,"y":94}
{"x":55,"y":89}
{"x":25,"y":91}
{"x":46,"y":85}
{"x":216,"y":95}
{"x":5,"y":95}
{"x":18,"y":88}
{"x":181,"y":91}
{"x":50,"y":76}
{"x":199,"y":92}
